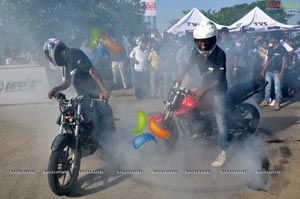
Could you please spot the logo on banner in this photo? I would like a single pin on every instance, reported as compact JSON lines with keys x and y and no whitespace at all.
{"x":19,"y":86}
{"x":192,"y":23}
{"x":278,"y":5}
{"x":150,"y":7}
{"x":261,"y":23}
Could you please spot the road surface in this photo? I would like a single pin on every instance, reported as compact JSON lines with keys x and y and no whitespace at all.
{"x":27,"y":132}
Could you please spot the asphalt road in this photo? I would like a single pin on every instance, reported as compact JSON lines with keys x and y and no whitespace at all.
{"x":27,"y":132}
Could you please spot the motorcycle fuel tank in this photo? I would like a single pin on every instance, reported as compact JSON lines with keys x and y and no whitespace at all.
{"x":187,"y":105}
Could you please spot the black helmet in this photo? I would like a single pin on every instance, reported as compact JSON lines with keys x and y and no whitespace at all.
{"x":52,"y":48}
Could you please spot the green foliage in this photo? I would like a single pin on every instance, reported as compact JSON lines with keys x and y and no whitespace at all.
{"x":229,"y":15}
{"x":28,"y":23}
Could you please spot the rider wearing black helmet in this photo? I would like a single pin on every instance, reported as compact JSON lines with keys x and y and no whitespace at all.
{"x":86,"y":82}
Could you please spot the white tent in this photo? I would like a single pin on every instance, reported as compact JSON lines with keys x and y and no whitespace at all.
{"x":258,"y":20}
{"x":189,"y":22}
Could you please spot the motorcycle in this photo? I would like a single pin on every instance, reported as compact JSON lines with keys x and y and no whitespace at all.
{"x":72,"y":143}
{"x":195,"y":119}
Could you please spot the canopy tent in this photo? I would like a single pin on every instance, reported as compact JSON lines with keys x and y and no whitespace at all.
{"x":258,"y":20}
{"x":189,"y":22}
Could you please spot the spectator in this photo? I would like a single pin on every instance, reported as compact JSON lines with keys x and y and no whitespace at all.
{"x":273,"y":70}
{"x":101,"y":59}
{"x":85,"y":47}
{"x":118,"y":58}
{"x":291,"y":75}
{"x":168,"y":61}
{"x":182,"y":57}
{"x":297,"y":51}
{"x":139,"y":56}
{"x":155,"y":72}
{"x":247,"y":58}
{"x":227,"y":44}
{"x":157,"y":39}
{"x":262,"y":52}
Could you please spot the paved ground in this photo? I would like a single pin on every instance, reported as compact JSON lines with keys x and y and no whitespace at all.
{"x":27,"y":132}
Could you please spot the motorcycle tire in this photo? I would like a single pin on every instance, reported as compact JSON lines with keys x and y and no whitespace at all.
{"x":61,"y":165}
{"x":173,"y":136}
{"x":248,"y":119}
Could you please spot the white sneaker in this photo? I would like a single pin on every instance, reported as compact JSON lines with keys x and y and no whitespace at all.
{"x":272,"y":102}
{"x":220,"y":160}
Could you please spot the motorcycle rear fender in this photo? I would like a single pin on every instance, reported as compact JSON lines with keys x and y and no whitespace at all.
{"x":61,"y":140}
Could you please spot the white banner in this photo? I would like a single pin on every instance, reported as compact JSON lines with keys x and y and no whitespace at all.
{"x":23,"y":84}
{"x":150,"y":7}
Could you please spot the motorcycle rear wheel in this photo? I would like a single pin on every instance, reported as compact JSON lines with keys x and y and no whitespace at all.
{"x":247,"y":121}
{"x":63,"y":170}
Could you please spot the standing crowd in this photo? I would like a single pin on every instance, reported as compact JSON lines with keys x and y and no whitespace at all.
{"x":150,"y":62}
{"x":11,"y":56}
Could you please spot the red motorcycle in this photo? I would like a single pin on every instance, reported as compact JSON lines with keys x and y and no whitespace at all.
{"x":195,"y":119}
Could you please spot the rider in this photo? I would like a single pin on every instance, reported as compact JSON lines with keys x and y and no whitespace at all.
{"x":211,"y":61}
{"x":86,"y":81}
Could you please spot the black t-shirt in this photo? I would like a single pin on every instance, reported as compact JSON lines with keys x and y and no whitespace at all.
{"x":275,"y":58}
{"x":212,"y":69}
{"x":83,"y":82}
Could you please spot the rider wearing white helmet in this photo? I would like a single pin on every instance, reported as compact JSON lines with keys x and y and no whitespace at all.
{"x":211,"y":61}
{"x":205,"y":37}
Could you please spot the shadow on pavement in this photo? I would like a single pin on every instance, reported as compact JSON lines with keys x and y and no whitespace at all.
{"x":96,"y":182}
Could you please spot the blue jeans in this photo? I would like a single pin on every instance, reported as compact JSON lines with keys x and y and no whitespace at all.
{"x":277,"y":85}
{"x":219,"y":107}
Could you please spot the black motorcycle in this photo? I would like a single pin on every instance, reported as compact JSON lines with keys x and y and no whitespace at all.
{"x":72,"y":143}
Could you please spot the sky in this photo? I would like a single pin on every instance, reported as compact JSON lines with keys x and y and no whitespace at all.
{"x":167,"y":10}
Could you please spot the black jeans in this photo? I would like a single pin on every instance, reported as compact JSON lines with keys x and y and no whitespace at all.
{"x":142,"y":84}
{"x":101,"y":115}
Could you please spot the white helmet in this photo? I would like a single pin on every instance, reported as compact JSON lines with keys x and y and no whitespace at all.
{"x":204,"y":30}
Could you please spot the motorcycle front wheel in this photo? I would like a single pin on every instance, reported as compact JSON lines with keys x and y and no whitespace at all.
{"x":63,"y":170}
{"x":173,"y":133}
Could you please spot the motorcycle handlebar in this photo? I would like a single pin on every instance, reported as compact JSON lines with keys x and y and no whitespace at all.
{"x":60,"y":97}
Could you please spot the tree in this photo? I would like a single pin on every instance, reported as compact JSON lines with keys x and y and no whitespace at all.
{"x":229,"y":15}
{"x":28,"y":23}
